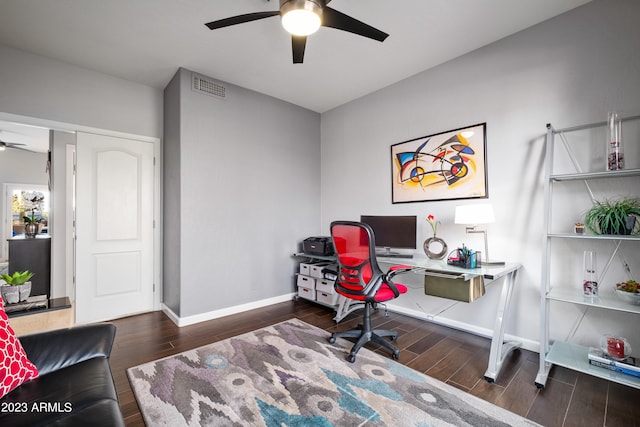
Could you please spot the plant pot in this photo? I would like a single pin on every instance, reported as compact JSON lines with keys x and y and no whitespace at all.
{"x":15,"y":293}
{"x":30,"y":230}
{"x":25,"y":290}
{"x":10,"y":294}
{"x":630,"y":223}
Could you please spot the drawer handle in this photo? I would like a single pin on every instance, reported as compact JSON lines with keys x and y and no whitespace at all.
{"x":443,"y":275}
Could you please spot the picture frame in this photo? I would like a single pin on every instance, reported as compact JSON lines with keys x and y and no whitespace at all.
{"x":448,"y":165}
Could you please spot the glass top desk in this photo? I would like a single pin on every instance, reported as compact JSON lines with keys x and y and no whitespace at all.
{"x":420,"y":264}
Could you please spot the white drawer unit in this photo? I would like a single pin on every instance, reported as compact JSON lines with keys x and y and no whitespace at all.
{"x":312,"y":282}
{"x":325,"y":285}
{"x":327,"y":298}
{"x":306,"y":293}
{"x":317,"y":270}
{"x":305,"y":267}
{"x":306,"y":282}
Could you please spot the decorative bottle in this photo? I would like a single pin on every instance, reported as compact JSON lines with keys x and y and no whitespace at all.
{"x":615,"y":154}
{"x":590,"y":282}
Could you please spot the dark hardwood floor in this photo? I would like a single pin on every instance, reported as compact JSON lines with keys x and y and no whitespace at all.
{"x":455,"y":357}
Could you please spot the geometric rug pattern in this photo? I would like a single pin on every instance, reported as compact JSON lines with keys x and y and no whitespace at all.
{"x":288,"y":374}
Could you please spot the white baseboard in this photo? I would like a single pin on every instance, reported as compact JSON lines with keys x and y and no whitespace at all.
{"x":203,"y":317}
{"x":527,"y":344}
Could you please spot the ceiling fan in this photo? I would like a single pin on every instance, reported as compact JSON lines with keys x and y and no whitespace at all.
{"x":302,"y":18}
{"x":5,"y":145}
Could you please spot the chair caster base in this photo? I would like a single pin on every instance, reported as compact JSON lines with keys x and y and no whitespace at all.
{"x":396,"y":355}
{"x":332,"y":340}
{"x":351,"y":358}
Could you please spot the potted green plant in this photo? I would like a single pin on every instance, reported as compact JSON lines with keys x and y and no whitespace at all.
{"x":613,"y":216}
{"x":17,"y":288}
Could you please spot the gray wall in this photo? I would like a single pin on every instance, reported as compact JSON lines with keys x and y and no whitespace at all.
{"x":22,"y":167}
{"x":35,"y":86}
{"x":569,"y":70}
{"x":247,"y":178}
{"x":171,"y":257}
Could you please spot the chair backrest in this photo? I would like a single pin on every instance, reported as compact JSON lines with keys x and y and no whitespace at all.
{"x":359,"y":274}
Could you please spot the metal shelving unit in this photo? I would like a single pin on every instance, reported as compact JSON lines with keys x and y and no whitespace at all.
{"x":344,"y":306}
{"x":564,"y":353}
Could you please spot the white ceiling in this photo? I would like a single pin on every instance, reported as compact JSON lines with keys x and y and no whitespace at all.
{"x":145,"y":41}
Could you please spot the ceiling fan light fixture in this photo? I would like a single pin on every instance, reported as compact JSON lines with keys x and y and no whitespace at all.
{"x":301,"y":17}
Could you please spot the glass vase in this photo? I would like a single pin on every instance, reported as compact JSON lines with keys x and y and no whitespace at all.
{"x":590,"y":281}
{"x":615,"y":153}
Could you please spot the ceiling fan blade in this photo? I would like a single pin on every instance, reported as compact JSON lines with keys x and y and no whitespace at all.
{"x":338,"y":20}
{"x":12,"y":145}
{"x":298,"y":44}
{"x":240,"y":19}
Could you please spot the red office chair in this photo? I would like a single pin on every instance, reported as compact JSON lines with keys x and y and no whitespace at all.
{"x":360,"y":278}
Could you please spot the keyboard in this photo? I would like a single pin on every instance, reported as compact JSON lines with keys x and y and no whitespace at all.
{"x":385,"y":255}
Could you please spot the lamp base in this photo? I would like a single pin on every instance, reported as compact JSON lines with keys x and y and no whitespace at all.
{"x":491,"y":263}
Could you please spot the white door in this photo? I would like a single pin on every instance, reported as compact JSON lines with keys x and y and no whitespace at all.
{"x":114,"y":227}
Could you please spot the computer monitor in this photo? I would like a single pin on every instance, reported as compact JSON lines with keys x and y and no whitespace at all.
{"x":393,"y":231}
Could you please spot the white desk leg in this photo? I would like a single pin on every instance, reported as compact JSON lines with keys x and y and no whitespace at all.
{"x":345,"y":307}
{"x":499,"y":348}
{"x":341,"y":311}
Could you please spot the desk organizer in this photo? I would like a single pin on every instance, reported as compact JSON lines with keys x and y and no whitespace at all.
{"x":464,"y":258}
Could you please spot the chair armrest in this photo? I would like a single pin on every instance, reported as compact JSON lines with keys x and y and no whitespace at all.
{"x":397,"y":269}
{"x":54,"y":350}
{"x":394,"y":270}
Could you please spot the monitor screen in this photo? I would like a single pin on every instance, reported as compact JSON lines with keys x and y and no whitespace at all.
{"x":393,"y":231}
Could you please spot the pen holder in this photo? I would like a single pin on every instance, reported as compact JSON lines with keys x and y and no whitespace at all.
{"x":465,"y":258}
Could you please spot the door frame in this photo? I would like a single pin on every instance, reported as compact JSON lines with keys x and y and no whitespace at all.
{"x":59,"y":256}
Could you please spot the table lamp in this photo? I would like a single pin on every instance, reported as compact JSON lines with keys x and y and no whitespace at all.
{"x":471,"y":216}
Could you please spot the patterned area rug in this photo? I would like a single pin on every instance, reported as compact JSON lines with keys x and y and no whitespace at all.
{"x":289,"y":375}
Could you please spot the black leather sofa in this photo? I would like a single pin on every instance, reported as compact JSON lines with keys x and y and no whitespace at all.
{"x":75,"y":386}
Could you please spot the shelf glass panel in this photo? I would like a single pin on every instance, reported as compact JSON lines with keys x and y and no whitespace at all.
{"x":595,"y":175}
{"x":576,"y":357}
{"x":314,"y":256}
{"x":606,"y":300}
{"x":594,"y":236}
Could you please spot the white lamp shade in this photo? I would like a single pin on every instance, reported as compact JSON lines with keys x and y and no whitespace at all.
{"x":474,"y":214}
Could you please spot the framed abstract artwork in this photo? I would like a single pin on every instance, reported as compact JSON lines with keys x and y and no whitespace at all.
{"x":444,"y":166}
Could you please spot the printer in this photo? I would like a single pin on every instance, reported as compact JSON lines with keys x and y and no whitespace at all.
{"x":320,"y":245}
